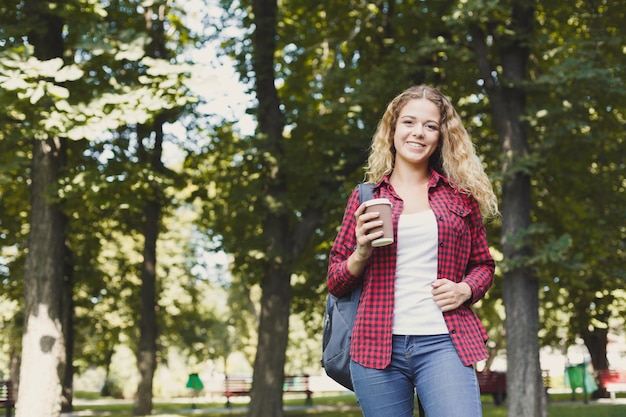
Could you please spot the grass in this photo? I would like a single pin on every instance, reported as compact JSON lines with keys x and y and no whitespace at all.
{"x":345,"y":406}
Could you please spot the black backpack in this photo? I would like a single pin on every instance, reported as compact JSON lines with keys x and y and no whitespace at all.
{"x":338,"y":322}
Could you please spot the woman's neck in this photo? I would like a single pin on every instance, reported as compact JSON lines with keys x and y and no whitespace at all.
{"x":410,"y":177}
{"x":412,"y":188}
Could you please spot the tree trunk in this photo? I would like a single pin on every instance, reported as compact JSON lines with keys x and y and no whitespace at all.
{"x":106,"y":390}
{"x":266,"y":397}
{"x":146,"y":351}
{"x":525,"y":390}
{"x":148,"y":329}
{"x":43,"y":344}
{"x":67,"y":397}
{"x":14,"y":370}
{"x":596,"y":341}
{"x":267,"y":391}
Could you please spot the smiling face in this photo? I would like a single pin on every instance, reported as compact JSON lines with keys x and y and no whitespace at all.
{"x":416,"y":132}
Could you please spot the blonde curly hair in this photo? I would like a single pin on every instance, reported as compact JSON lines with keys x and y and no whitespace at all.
{"x":454,"y":158}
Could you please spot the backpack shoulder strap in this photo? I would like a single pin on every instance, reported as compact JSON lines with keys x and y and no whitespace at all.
{"x":366,"y":191}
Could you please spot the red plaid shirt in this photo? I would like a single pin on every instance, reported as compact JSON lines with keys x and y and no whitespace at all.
{"x":463,"y":256}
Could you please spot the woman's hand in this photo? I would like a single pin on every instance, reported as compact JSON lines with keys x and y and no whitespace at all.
{"x":364,"y":223}
{"x":449,"y":295}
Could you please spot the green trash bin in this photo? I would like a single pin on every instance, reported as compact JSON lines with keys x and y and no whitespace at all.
{"x":579,"y":376}
{"x":194,"y":383}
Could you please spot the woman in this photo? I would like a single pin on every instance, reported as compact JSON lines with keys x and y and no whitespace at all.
{"x":414,"y":330}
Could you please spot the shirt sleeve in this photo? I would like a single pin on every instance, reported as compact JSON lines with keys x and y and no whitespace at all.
{"x":339,"y":279}
{"x":481,"y":266}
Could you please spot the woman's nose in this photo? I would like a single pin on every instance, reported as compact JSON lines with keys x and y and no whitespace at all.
{"x":418,"y":130}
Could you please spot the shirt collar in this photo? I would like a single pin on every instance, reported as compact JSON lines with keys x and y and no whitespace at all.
{"x":435,"y":177}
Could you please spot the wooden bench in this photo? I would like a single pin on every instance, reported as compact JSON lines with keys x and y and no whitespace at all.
{"x":547,"y":382}
{"x":494,"y":383}
{"x":235,"y":386}
{"x":299,"y":384}
{"x":613,"y":381}
{"x":6,"y":397}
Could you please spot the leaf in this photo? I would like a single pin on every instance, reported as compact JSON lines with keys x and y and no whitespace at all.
{"x":64,"y":106}
{"x":49,"y":67}
{"x":14,"y":83}
{"x":37,"y":94}
{"x":68,"y":73}
{"x":57,"y":91}
{"x":133,"y":51}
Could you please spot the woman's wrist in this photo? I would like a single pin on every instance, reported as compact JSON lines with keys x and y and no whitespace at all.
{"x":356,"y":263}
{"x":466,"y":290}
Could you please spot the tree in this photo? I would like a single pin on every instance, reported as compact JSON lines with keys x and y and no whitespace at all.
{"x":43,"y":344}
{"x":269,"y":363}
{"x":154,"y":16}
{"x":503,"y":68}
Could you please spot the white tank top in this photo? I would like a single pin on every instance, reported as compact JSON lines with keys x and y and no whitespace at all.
{"x":415,"y":312}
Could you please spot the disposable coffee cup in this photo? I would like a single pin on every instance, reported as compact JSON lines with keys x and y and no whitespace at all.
{"x":383,"y":207}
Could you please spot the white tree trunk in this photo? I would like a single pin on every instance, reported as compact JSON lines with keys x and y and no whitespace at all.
{"x":43,"y":342}
{"x":43,"y":348}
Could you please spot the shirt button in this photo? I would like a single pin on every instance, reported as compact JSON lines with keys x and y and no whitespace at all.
{"x":453,"y":331}
{"x":441,"y":244}
{"x":441,"y":218}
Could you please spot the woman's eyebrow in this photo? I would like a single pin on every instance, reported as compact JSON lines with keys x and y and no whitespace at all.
{"x":408,"y":116}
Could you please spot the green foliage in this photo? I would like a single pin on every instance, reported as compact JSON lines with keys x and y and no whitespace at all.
{"x":104,"y":95}
{"x":578,"y":112}
{"x":337,"y":64}
{"x":26,"y":81}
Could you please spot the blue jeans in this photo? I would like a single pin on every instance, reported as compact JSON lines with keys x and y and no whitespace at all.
{"x":428,"y":365}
